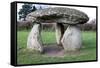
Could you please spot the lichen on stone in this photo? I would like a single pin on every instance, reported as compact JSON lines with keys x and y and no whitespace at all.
{"x":58,"y":15}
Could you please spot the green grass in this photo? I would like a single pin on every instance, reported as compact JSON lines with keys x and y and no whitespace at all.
{"x":88,"y":52}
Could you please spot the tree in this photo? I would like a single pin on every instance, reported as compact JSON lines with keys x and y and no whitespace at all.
{"x":33,"y":9}
{"x":26,"y":9}
{"x":40,"y":7}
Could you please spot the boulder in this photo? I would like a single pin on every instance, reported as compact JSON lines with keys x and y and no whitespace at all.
{"x":71,"y":39}
{"x":34,"y":41}
{"x":58,"y":15}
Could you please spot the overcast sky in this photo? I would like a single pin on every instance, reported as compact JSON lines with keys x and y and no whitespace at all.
{"x":91,"y":12}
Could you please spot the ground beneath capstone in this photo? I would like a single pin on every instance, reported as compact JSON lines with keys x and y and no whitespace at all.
{"x":53,"y":50}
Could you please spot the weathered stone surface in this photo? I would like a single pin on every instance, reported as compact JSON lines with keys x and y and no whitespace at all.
{"x":58,"y":15}
{"x":71,"y":40}
{"x":34,"y":41}
{"x":59,"y":28}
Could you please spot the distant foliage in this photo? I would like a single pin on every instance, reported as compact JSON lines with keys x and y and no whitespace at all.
{"x":48,"y":26}
{"x":89,"y":25}
{"x":24,"y":25}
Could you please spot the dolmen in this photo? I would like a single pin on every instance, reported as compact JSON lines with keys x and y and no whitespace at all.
{"x":70,"y":39}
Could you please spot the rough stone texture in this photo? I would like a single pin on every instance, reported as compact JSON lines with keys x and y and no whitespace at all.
{"x":34,"y":41}
{"x":58,"y":15}
{"x":71,"y":40}
{"x":59,"y":28}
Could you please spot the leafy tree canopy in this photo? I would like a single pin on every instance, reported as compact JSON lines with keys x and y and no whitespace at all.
{"x":26,"y":9}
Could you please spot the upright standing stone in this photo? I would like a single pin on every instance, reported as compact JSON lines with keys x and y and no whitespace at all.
{"x":34,"y":39}
{"x":59,"y":28}
{"x":72,"y":38}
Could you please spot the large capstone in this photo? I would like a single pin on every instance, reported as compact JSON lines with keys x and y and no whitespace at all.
{"x":72,"y":40}
{"x":58,"y":15}
{"x":34,"y":41}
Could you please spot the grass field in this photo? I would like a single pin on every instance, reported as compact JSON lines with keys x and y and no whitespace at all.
{"x":24,"y":56}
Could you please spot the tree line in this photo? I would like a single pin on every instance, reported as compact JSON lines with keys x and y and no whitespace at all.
{"x":26,"y":25}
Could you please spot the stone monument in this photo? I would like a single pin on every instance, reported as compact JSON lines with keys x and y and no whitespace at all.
{"x":70,"y":39}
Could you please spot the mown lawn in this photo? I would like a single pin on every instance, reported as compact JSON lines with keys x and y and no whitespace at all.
{"x":24,"y":56}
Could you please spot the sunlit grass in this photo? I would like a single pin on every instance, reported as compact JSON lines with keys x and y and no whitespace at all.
{"x":88,"y":52}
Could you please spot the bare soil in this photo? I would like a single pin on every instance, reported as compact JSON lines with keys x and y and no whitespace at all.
{"x":53,"y":50}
